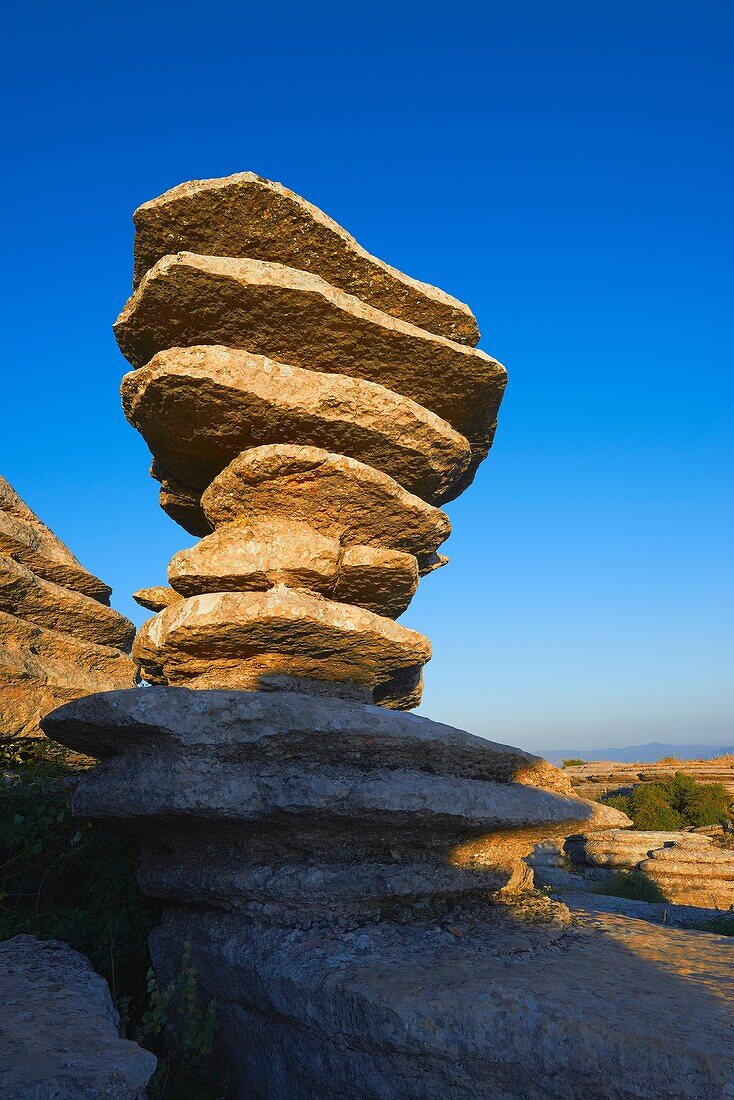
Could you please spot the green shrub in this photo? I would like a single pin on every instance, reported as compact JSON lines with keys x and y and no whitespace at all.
{"x":723,"y":925}
{"x":574,"y":762}
{"x":675,"y":803}
{"x":76,"y":882}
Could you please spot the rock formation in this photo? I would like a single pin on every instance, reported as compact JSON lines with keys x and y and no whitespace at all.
{"x":59,"y":639}
{"x":689,"y":868}
{"x":59,"y":1036}
{"x":342,"y":871}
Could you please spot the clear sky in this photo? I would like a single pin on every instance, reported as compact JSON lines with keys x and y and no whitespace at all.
{"x":565,"y":167}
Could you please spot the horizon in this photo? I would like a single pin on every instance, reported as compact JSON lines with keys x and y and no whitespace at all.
{"x":576,"y":194}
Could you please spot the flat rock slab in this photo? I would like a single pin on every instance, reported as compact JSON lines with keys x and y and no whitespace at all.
{"x":59,"y":1035}
{"x":65,"y":610}
{"x":490,"y":1008}
{"x":337,"y":496}
{"x":295,"y":317}
{"x":29,"y":541}
{"x":259,"y":554}
{"x":232,"y":639}
{"x":198,"y":407}
{"x":42,"y":669}
{"x":247,"y":216}
{"x":157,"y":597}
{"x":618,"y":848}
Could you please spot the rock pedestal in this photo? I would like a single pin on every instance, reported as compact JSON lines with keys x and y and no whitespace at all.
{"x":59,"y":639}
{"x":342,"y":870}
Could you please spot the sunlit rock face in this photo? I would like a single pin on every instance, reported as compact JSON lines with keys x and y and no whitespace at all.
{"x":59,"y":639}
{"x":308,"y":409}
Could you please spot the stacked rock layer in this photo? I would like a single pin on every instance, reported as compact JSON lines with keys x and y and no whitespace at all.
{"x":59,"y":638}
{"x":308,"y":409}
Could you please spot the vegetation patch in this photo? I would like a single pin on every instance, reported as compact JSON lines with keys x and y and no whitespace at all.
{"x":632,"y":885}
{"x":675,"y":803}
{"x":76,"y":882}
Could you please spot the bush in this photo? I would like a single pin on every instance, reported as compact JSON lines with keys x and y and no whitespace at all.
{"x":76,"y":882}
{"x":574,"y":762}
{"x":675,"y":803}
{"x":632,"y":885}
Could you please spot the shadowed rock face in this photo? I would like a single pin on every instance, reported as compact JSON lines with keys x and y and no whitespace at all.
{"x":59,"y":639}
{"x":248,"y":216}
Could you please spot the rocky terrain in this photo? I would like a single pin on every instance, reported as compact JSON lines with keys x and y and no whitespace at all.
{"x":600,"y":777}
{"x":59,"y":638}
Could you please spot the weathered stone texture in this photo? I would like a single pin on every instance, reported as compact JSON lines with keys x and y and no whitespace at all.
{"x":28,"y":541}
{"x":59,"y":1035}
{"x":254,"y":555}
{"x":231,"y":639}
{"x":157,"y":597}
{"x":198,"y":407}
{"x":336,"y":495}
{"x":247,"y":216}
{"x":59,"y":639}
{"x":296,"y":318}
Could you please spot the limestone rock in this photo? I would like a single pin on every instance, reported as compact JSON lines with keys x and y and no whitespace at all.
{"x":693,"y":871}
{"x":157,"y":597}
{"x":262,"y":553}
{"x":231,"y":639}
{"x":59,"y":1035}
{"x":28,"y":541}
{"x":198,"y":407}
{"x":62,"y":609}
{"x":248,"y":216}
{"x":42,"y":669}
{"x":507,"y":1010}
{"x":616,"y":848}
{"x":252,"y":800}
{"x":295,"y":317}
{"x":336,"y":495}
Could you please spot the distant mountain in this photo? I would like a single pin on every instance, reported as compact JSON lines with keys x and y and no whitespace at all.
{"x":638,"y":754}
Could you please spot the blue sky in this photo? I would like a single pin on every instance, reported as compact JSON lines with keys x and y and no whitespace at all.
{"x":565,"y":168}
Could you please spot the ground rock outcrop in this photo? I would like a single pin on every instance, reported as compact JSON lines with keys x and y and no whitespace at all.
{"x":59,"y":639}
{"x":59,"y":1036}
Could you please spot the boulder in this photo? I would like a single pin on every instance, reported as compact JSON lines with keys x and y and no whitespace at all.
{"x":59,"y":1036}
{"x":231,"y":639}
{"x":198,"y":407}
{"x":259,"y":554}
{"x":50,"y":605}
{"x":337,"y":496}
{"x":295,"y":317}
{"x":616,"y":848}
{"x":28,"y":541}
{"x":248,"y":216}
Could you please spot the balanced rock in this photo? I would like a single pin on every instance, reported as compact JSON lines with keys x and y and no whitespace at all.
{"x":336,"y":495}
{"x":198,"y":407}
{"x":295,"y":317}
{"x":254,"y":555}
{"x":59,"y":1030}
{"x":248,"y":216}
{"x":25,"y":539}
{"x":233,"y":639}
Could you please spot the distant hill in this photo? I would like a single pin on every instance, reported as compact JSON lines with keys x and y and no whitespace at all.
{"x":642,"y":754}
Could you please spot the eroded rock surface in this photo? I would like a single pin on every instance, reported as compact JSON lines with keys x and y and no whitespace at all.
{"x":248,"y":216}
{"x":295,"y":317}
{"x":198,"y":407}
{"x":59,"y":1035}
